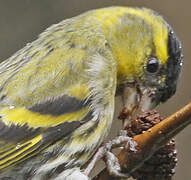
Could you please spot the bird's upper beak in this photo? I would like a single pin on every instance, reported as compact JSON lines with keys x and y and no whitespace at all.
{"x":137,"y":98}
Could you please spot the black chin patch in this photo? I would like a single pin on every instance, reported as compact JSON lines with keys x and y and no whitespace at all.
{"x":174,"y":65}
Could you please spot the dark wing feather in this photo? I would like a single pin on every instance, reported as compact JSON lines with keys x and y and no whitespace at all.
{"x":21,"y":141}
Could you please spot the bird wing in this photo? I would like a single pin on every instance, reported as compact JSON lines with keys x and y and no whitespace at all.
{"x":44,"y":91}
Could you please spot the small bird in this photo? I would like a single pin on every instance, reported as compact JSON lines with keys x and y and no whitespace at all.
{"x":57,"y":94}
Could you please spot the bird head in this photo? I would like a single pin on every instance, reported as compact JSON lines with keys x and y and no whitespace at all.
{"x":148,"y":56}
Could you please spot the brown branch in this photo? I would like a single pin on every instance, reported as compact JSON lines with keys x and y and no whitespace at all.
{"x":150,"y":141}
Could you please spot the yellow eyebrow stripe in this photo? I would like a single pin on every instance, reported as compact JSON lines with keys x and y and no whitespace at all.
{"x":160,"y":31}
{"x":22,"y":116}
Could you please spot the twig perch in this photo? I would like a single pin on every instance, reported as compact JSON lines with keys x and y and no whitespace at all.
{"x":150,"y":141}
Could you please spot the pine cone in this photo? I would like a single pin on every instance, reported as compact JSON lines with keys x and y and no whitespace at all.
{"x":161,"y":166}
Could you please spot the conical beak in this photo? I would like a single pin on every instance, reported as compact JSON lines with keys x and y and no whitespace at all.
{"x":137,"y":99}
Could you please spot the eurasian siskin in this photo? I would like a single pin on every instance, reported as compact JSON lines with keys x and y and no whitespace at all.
{"x":57,"y":94}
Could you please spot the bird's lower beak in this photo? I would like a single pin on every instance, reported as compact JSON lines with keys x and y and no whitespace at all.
{"x":137,"y":99}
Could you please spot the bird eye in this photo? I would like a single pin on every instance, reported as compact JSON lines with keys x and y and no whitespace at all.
{"x":152,"y":65}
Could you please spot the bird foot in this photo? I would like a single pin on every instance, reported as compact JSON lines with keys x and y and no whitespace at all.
{"x":105,"y":153}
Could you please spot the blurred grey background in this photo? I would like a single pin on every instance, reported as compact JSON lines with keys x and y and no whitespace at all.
{"x":22,"y":20}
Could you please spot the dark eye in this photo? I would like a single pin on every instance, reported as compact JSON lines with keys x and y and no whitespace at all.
{"x":152,"y":65}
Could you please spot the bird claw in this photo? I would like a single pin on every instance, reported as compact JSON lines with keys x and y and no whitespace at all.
{"x":113,"y":166}
{"x":111,"y":160}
